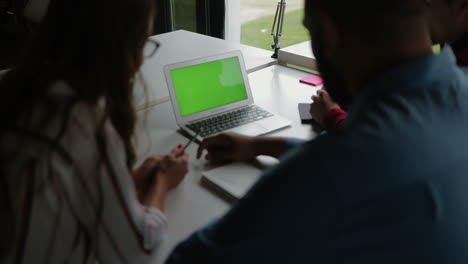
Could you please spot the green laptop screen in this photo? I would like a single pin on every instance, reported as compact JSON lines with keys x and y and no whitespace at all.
{"x":206,"y":86}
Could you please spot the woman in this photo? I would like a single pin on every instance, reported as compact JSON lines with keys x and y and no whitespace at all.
{"x":66,"y":156}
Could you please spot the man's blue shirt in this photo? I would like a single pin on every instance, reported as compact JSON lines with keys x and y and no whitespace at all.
{"x":391,"y":186}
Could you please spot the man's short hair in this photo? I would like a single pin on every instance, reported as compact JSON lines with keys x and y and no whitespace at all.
{"x":371,"y":19}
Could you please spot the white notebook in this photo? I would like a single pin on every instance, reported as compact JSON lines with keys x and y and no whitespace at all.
{"x":234,"y":180}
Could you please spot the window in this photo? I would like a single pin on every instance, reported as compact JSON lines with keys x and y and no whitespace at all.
{"x":185,"y":15}
{"x":257,"y":17}
{"x":201,"y":16}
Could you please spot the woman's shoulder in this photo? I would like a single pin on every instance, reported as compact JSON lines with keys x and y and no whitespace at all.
{"x":72,"y":125}
{"x":82,"y":118}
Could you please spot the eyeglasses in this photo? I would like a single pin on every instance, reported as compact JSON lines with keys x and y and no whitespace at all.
{"x":151,"y":47}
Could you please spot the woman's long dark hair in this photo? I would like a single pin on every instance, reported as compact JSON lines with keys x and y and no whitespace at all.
{"x":96,"y":48}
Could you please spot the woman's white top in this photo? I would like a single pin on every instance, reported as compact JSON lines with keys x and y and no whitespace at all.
{"x":78,"y":200}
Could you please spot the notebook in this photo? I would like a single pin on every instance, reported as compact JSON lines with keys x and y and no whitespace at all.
{"x":212,"y":95}
{"x":232,"y":181}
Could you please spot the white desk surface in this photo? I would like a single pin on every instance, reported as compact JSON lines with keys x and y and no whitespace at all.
{"x":191,"y":206}
{"x":183,"y":45}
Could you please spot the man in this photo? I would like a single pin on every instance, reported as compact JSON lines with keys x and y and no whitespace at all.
{"x":390,"y":187}
{"x":449,"y":25}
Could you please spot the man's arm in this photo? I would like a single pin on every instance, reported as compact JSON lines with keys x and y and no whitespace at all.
{"x":275,"y":146}
{"x":285,"y":207}
{"x":231,"y":146}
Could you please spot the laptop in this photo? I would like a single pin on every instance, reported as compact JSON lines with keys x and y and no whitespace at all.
{"x":212,"y":95}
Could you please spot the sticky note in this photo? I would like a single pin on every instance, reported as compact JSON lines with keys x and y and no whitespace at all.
{"x":314,"y":80}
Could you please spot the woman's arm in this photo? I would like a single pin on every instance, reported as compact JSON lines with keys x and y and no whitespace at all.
{"x":121,"y":228}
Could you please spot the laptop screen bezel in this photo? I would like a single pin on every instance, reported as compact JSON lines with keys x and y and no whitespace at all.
{"x":183,"y":120}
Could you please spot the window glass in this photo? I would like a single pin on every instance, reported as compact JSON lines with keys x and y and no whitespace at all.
{"x":185,"y":15}
{"x":257,"y":17}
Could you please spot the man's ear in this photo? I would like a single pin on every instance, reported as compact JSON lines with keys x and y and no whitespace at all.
{"x":331,"y":35}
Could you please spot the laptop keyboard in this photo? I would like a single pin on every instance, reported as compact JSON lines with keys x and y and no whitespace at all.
{"x":229,"y":120}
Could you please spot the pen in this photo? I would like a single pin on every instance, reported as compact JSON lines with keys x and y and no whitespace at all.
{"x":192,"y":139}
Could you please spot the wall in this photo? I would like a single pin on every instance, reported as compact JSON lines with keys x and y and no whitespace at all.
{"x":233,"y":25}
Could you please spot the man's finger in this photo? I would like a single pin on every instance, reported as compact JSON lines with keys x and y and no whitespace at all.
{"x":201,"y":148}
{"x":204,"y":145}
{"x":209,"y":143}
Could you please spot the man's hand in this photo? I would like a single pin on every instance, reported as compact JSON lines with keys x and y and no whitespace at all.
{"x":228,"y":146}
{"x":322,"y":103}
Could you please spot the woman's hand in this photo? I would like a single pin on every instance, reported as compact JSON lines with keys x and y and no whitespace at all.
{"x":144,"y":176}
{"x":158,"y":174}
{"x":169,"y":171}
{"x":173,"y":168}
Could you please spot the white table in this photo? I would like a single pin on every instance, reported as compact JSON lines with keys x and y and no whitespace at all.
{"x":275,"y":88}
{"x":191,"y":205}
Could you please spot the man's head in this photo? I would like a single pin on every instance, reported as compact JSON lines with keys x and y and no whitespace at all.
{"x":354,"y":40}
{"x":449,"y":20}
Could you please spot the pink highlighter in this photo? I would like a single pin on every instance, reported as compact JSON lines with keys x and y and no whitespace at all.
{"x":314,"y":80}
